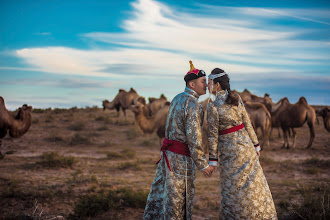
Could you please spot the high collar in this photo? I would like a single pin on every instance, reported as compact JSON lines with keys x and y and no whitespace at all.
{"x":221,"y":95}
{"x":191,"y":92}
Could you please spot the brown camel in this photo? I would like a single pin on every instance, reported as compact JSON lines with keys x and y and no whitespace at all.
{"x":260,"y":118}
{"x":325,"y":114}
{"x":123,"y":100}
{"x":18,"y":125}
{"x":156,"y":104}
{"x":294,"y":116}
{"x":149,"y":124}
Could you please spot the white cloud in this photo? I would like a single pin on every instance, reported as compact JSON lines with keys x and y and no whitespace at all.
{"x":170,"y":38}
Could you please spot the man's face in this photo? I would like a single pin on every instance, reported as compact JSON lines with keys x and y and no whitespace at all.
{"x":199,"y":85}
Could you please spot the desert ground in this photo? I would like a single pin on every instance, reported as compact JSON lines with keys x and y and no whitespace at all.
{"x":85,"y":164}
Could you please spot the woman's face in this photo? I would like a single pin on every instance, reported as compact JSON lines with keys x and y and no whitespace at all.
{"x":213,"y":88}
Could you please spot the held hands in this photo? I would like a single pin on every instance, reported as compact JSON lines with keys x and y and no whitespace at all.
{"x":209,"y":170}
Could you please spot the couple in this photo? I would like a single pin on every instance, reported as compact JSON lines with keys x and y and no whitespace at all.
{"x":244,"y":190}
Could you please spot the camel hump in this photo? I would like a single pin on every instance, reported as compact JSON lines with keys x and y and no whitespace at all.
{"x":303,"y":101}
{"x":162,"y":96}
{"x":151,"y":100}
{"x":121,"y":90}
{"x":132,"y":90}
{"x":2,"y":102}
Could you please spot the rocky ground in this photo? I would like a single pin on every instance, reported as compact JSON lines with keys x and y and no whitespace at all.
{"x":72,"y":160}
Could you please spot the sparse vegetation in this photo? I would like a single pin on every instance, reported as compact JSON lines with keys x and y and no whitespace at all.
{"x":93,"y":204}
{"x":315,"y":203}
{"x":132,"y":133}
{"x":55,"y":160}
{"x":129,"y":165}
{"x":126,"y":153}
{"x":78,"y":139}
{"x":78,"y":126}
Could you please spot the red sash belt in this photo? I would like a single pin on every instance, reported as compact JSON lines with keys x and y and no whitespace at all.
{"x":174,"y":146}
{"x":232,"y":129}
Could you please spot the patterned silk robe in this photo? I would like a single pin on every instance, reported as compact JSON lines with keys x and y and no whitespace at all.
{"x":245,"y":193}
{"x":172,"y":192}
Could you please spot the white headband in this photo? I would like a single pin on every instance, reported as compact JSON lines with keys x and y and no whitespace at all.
{"x":213,"y":76}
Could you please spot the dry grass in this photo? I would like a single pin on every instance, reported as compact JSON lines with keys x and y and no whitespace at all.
{"x":110,"y":156}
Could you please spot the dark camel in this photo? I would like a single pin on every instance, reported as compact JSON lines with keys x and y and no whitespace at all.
{"x":325,"y":114}
{"x":260,"y":118}
{"x":290,"y":116}
{"x":18,"y":125}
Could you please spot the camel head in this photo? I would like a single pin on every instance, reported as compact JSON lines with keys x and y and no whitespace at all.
{"x":139,"y":100}
{"x":322,"y":112}
{"x":105,"y":103}
{"x":24,"y":112}
{"x":138,"y":108}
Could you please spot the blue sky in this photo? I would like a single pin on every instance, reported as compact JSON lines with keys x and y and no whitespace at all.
{"x":65,"y":53}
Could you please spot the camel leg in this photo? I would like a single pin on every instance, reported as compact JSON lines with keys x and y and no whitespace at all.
{"x":124,"y":110}
{"x":294,"y":133}
{"x":1,"y":155}
{"x":312,"y":136}
{"x":279,"y":133}
{"x":286,"y":142}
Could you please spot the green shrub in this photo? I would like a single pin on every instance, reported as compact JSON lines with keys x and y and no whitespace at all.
{"x":55,"y":160}
{"x":93,"y":204}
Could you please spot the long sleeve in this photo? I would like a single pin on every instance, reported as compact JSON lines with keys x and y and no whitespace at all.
{"x":248,"y":126}
{"x":212,"y":134}
{"x":194,"y":134}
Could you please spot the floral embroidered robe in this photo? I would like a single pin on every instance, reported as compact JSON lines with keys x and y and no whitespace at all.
{"x":245,"y":193}
{"x":172,"y":192}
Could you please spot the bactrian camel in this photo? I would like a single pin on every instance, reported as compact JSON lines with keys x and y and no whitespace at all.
{"x":325,"y":114}
{"x":260,"y":118}
{"x":150,"y":124}
{"x":294,"y":116}
{"x":123,"y":100}
{"x":156,"y":104}
{"x":18,"y":125}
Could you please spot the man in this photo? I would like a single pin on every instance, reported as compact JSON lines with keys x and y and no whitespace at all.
{"x":172,"y":192}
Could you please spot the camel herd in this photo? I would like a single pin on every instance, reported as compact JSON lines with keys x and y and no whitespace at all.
{"x":151,"y":117}
{"x":263,"y":113}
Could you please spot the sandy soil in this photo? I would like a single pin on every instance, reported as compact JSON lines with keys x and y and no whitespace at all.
{"x":28,"y":188}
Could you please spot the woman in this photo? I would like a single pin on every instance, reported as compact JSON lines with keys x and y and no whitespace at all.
{"x":244,"y":189}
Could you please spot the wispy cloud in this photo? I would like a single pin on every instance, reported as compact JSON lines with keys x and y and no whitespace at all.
{"x":159,"y":39}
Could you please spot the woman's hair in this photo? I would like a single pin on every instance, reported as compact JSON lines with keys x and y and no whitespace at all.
{"x":224,"y":83}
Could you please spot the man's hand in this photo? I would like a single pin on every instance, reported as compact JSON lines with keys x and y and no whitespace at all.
{"x":207,"y":171}
{"x":258,"y":153}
